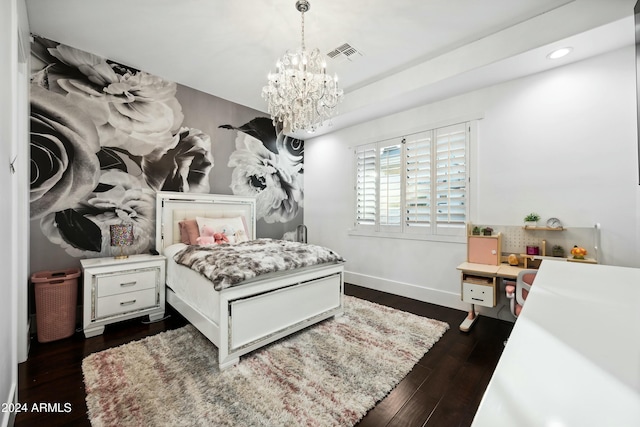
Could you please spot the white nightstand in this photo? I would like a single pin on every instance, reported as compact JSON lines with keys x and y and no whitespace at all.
{"x":120,"y":289}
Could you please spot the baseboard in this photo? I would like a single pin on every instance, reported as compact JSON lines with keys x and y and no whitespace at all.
{"x":420,"y":293}
{"x":430,"y":295}
{"x":8,"y":418}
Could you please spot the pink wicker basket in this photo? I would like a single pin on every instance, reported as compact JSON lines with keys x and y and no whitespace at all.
{"x":56,"y":298}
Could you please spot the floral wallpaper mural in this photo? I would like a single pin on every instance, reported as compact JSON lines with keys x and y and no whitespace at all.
{"x":106,"y":137}
{"x":268,"y":166}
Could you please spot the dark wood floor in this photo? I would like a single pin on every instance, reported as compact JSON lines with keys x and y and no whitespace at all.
{"x":444,"y":389}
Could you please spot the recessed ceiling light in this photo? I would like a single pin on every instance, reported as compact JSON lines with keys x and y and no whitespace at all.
{"x":559,"y":53}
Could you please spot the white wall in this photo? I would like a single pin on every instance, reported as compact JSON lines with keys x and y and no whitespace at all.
{"x":7,"y":358}
{"x":561,"y":143}
{"x":12,"y":132}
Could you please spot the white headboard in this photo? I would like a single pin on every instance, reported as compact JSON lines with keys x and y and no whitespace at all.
{"x":173,"y":207}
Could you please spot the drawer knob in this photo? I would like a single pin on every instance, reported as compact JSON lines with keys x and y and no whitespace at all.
{"x":128,"y":302}
{"x":127,"y":284}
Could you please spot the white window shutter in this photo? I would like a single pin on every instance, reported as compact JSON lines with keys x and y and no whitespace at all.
{"x":418,"y":182}
{"x":390,"y":179}
{"x":366,"y":185}
{"x":451,"y":178}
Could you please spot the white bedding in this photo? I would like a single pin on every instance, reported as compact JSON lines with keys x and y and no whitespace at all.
{"x":191,"y":286}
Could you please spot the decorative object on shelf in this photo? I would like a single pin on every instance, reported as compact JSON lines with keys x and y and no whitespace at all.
{"x":487,"y":231}
{"x":578,"y":252}
{"x":513,"y":260}
{"x":554,"y":223}
{"x":301,"y":95}
{"x":475,"y":231}
{"x":531,"y":219}
{"x":121,"y":236}
{"x":557,"y":251}
{"x":533,"y":250}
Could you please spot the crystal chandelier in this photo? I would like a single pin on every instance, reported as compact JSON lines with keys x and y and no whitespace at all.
{"x":301,"y":95}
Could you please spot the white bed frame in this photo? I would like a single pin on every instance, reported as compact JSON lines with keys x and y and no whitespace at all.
{"x":261,"y":310}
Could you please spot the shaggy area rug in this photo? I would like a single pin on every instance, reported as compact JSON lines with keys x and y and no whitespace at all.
{"x":328,"y":375}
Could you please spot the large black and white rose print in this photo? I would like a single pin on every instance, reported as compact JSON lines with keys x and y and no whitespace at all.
{"x":105,"y":138}
{"x":83,"y":231}
{"x":268,"y":166}
{"x":183,"y":168}
{"x":64,"y":144}
{"x":132,"y":109}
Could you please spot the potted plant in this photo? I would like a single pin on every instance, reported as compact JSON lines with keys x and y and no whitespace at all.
{"x":476,"y":231}
{"x":557,"y":251}
{"x":531,"y":219}
{"x":487,"y":231}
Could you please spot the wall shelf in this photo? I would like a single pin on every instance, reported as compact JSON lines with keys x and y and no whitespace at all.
{"x":532,"y":258}
{"x":535,"y":227}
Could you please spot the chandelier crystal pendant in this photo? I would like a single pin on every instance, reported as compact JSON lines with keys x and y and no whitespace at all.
{"x":300,"y":94}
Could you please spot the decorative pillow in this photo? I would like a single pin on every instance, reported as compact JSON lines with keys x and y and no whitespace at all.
{"x":232,"y":228}
{"x":188,"y":231}
{"x":242,"y":235}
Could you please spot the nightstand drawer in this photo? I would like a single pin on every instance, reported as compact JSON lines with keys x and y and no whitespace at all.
{"x":123,"y":303}
{"x":128,"y":281}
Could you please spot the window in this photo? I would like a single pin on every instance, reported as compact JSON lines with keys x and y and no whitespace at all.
{"x":414,"y":185}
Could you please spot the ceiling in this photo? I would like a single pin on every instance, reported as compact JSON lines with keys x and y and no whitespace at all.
{"x":410,"y":52}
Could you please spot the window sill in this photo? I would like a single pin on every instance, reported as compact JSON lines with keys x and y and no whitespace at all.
{"x":405,"y":236}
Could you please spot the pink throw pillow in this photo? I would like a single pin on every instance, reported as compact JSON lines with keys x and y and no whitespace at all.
{"x":189,"y":231}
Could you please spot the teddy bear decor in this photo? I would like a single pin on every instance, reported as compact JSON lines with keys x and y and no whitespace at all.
{"x":212,"y":231}
{"x":211,"y":236}
{"x":208,"y":236}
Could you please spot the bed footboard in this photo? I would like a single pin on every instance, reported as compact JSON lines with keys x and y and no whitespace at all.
{"x":257,"y":314}
{"x":263,"y":317}
{"x":257,"y":317}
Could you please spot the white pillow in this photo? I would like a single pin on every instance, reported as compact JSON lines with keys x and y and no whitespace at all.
{"x":232,"y":227}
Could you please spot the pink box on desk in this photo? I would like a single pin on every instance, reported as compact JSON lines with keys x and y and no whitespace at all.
{"x":484,"y":249}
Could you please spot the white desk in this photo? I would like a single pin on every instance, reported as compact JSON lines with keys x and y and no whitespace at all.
{"x":573,"y":357}
{"x":502,"y":270}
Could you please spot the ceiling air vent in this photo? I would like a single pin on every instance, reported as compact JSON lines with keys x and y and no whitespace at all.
{"x":345,"y":51}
